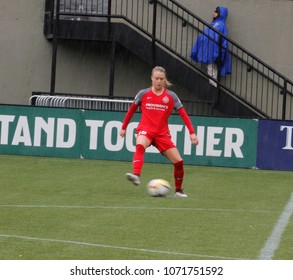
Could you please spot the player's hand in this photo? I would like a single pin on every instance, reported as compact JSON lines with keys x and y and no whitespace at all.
{"x":122,"y":132}
{"x":194,"y":139}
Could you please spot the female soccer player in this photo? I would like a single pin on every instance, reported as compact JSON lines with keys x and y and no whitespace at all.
{"x":156,"y":104}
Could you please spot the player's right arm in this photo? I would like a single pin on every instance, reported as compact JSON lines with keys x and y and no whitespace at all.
{"x":131,"y":111}
{"x":127,"y":118}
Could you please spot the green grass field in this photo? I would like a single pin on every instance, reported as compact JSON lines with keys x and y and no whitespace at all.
{"x":71,"y":209}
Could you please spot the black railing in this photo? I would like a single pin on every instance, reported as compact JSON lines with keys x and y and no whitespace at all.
{"x":173,"y":28}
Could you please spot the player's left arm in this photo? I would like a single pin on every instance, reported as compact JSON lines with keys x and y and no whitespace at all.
{"x":181,"y":111}
{"x":188,"y":123}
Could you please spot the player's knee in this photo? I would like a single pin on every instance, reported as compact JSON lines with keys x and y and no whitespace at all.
{"x":179,"y":165}
{"x":140,"y":148}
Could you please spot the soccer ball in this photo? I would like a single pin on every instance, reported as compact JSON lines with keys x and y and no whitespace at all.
{"x":158,"y":187}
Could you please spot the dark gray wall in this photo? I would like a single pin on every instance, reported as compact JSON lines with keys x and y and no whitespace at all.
{"x":263,"y":27}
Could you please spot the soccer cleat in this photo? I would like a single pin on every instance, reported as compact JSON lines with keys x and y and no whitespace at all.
{"x":180,"y":194}
{"x":134,"y":179}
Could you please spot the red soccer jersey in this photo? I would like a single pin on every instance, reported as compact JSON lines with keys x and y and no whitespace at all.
{"x":156,"y":110}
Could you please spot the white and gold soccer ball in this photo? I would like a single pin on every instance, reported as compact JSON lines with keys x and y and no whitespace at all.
{"x":158,"y":187}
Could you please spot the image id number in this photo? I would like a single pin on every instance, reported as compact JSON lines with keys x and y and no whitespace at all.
{"x":196,"y":270}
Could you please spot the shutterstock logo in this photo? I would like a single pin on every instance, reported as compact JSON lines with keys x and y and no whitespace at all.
{"x":288,"y":130}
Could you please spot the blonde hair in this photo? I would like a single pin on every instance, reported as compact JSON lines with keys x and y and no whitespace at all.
{"x":163,"y":70}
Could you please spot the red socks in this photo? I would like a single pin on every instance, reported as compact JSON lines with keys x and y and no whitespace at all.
{"x":178,"y":175}
{"x":138,"y":159}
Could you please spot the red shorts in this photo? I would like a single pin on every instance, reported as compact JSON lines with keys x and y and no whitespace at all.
{"x":161,"y":142}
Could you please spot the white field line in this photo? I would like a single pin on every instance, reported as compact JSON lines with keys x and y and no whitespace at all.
{"x":127,"y":208}
{"x":272,"y":243}
{"x":135,"y":208}
{"x":115,"y":247}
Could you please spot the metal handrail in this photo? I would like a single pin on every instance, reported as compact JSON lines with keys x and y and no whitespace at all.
{"x":59,"y":101}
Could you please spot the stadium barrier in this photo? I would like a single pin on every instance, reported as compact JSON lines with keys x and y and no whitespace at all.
{"x":89,"y":134}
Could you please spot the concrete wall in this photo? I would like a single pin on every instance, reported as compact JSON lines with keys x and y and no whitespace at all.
{"x":25,"y":54}
{"x":264,"y":27}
